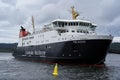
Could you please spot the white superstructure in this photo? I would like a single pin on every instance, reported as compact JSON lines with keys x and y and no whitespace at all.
{"x":61,"y":30}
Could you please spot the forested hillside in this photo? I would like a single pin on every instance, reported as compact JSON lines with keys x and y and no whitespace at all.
{"x":114,"y":48}
{"x":7,"y":47}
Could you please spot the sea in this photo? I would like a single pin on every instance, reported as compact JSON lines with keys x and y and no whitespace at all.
{"x":13,"y":69}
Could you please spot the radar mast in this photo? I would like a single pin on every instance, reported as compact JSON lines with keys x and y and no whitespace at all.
{"x":75,"y":14}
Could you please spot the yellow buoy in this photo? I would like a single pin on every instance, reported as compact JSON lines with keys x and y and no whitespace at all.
{"x":55,"y":72}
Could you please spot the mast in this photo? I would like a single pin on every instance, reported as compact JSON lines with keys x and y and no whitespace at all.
{"x":33,"y":24}
{"x":75,"y":14}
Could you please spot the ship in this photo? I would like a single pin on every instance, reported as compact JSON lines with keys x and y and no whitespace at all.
{"x":64,"y":41}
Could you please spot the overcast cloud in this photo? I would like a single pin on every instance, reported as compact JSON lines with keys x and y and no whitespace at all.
{"x":14,"y":13}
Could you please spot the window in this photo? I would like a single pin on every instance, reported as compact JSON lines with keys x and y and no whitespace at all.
{"x":32,"y":37}
{"x":69,"y":24}
{"x":76,"y":23}
{"x":73,"y":31}
{"x":81,"y":31}
{"x":78,"y":31}
{"x":59,"y":24}
{"x":61,"y":30}
{"x":81,"y":24}
{"x":65,"y":24}
{"x":62,"y":24}
{"x":23,"y":44}
{"x":87,"y":24}
{"x":54,"y":24}
{"x":48,"y":46}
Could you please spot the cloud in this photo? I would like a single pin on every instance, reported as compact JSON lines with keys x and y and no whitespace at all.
{"x":15,"y":13}
{"x":110,"y":9}
{"x":9,"y":2}
{"x":114,"y":26}
{"x":8,"y":35}
{"x":10,"y":14}
{"x":109,"y":17}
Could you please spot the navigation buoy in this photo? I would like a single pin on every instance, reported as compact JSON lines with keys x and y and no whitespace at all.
{"x":55,"y":72}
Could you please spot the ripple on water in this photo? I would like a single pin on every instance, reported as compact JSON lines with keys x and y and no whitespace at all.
{"x":13,"y":69}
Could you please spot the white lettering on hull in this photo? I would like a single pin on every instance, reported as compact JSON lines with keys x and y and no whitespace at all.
{"x":37,"y":53}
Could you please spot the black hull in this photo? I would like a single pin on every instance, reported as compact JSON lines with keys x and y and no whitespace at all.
{"x":79,"y":51}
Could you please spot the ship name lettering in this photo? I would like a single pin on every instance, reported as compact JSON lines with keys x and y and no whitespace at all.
{"x":40,"y":53}
{"x":79,"y":41}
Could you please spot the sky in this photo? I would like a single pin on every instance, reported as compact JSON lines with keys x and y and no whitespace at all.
{"x":14,"y":13}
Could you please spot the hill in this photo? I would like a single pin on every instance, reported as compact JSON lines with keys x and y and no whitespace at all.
{"x":7,"y":47}
{"x":114,"y":48}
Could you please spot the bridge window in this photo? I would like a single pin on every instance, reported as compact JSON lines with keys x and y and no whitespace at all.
{"x":55,"y":24}
{"x":73,"y":24}
{"x":81,"y":24}
{"x":76,"y":23}
{"x":61,"y":24}
{"x":65,"y":24}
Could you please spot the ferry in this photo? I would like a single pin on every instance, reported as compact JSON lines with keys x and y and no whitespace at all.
{"x":64,"y":41}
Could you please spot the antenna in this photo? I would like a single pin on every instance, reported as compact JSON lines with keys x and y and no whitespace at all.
{"x":33,"y":24}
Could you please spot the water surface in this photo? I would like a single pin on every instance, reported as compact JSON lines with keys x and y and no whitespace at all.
{"x":13,"y":69}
